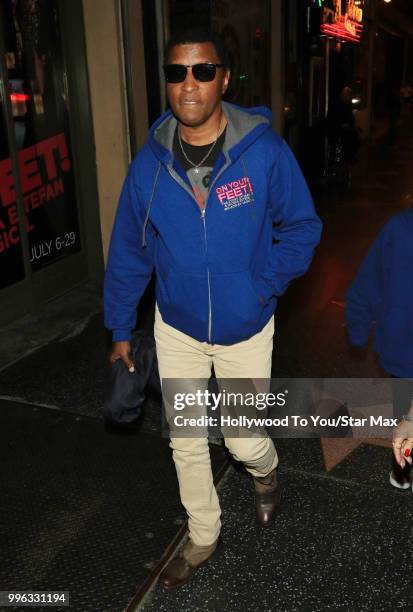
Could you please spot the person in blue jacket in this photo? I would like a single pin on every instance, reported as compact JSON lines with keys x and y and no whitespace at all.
{"x":382,"y":292}
{"x":216,"y":204}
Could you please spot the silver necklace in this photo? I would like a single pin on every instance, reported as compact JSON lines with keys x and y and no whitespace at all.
{"x":199,"y":164}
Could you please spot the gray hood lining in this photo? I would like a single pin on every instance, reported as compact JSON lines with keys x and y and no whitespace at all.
{"x":240,"y":124}
{"x":164,"y":133}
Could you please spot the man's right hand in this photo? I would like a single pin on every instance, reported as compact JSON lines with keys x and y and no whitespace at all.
{"x":122,"y":350}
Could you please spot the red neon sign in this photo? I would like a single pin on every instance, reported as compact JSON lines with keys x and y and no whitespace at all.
{"x":345,"y":27}
{"x":19,"y":97}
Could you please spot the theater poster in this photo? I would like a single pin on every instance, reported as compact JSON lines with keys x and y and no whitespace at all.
{"x":41,"y":125}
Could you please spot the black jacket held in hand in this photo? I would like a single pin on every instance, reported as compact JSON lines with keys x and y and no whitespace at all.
{"x":127,"y":389}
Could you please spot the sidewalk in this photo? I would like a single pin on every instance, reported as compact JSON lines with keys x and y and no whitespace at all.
{"x":337,"y":543}
{"x":96,"y":513}
{"x":85,"y":509}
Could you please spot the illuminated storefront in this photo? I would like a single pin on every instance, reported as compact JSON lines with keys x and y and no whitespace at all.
{"x":338,"y":50}
{"x":42,"y":236}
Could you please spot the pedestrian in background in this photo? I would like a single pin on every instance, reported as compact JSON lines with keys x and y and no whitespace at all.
{"x":343,"y":138}
{"x":382,"y":292}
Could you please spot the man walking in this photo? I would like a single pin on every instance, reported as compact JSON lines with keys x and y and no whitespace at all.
{"x":216,"y":204}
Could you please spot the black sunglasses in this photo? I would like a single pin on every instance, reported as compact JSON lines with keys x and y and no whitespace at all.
{"x":176,"y":73}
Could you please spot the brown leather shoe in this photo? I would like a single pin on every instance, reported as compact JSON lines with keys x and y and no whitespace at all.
{"x":267,"y":498}
{"x":179,"y":571}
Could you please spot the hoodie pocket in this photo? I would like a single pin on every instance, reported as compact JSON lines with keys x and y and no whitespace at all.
{"x":236,"y":305}
{"x":183,"y":301}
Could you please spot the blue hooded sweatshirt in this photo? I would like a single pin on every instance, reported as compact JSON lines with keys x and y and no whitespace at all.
{"x":382,"y":291}
{"x":219,"y":271}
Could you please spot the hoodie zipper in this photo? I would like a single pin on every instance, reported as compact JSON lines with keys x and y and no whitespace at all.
{"x":209,"y":280}
{"x":203,"y":213}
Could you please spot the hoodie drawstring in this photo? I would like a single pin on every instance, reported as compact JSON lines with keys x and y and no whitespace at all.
{"x":252,"y":203}
{"x":150,"y":205}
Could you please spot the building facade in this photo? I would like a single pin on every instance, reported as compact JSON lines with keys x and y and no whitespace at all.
{"x":82,"y":81}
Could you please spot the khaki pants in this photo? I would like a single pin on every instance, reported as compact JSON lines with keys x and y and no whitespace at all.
{"x":180,"y":356}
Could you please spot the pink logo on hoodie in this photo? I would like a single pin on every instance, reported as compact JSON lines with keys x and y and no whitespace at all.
{"x":234,"y":194}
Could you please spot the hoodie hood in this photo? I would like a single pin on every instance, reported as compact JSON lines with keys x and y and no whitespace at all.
{"x":244,"y":127}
